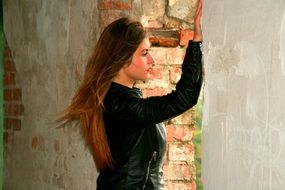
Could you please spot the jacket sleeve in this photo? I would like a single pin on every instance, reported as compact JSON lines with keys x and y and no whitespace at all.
{"x":157,"y":109}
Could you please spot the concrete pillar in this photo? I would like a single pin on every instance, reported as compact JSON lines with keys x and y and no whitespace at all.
{"x":244,"y":118}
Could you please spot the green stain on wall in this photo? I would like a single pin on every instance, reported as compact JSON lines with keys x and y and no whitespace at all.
{"x":197,"y":142}
{"x":1,"y":94}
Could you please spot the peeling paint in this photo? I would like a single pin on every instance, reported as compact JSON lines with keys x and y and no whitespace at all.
{"x":38,"y":143}
{"x":249,"y":60}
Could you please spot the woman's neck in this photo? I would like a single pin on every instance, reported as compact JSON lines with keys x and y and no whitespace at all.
{"x":124,"y":81}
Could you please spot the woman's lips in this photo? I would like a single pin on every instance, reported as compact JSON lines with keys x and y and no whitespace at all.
{"x":149,"y":70}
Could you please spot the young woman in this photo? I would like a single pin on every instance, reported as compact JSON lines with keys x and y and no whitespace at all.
{"x":124,"y":130}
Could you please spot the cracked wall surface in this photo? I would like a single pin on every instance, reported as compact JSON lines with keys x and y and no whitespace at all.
{"x":48,"y":42}
{"x":244,"y":117}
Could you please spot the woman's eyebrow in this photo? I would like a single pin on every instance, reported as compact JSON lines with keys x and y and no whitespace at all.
{"x":146,"y":49}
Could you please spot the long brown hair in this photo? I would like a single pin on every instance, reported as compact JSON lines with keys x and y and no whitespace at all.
{"x":114,"y":49}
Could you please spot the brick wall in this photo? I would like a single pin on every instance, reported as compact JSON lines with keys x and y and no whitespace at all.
{"x":13,"y":107}
{"x":170,"y":37}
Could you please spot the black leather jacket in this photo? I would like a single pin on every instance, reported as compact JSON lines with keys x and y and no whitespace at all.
{"x":135,"y":131}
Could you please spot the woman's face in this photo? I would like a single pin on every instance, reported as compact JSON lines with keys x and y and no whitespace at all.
{"x":142,"y":63}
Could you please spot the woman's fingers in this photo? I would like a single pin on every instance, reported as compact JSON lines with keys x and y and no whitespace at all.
{"x":199,"y":7}
{"x":198,"y":36}
{"x":198,"y":12}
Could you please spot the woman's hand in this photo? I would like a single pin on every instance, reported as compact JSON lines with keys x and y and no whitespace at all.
{"x":198,"y":36}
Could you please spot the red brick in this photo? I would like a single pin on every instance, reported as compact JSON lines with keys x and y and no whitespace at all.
{"x":175,"y":56}
{"x":9,"y":66}
{"x":185,"y":36}
{"x":163,"y":41}
{"x":179,"y":133}
{"x":13,"y":109}
{"x":114,"y":4}
{"x":17,"y":94}
{"x":12,"y":94}
{"x":7,"y":137}
{"x":9,"y":79}
{"x":181,"y":152}
{"x":7,"y":109}
{"x":7,"y":123}
{"x":16,"y":123}
{"x":174,"y":185}
{"x":8,"y":94}
{"x":187,"y":118}
{"x":154,"y":92}
{"x":12,"y":123}
{"x":159,"y":55}
{"x":179,"y":171}
{"x":18,"y":109}
{"x":175,"y":74}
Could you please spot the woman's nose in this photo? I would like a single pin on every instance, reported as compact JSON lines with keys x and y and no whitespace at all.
{"x":150,"y":60}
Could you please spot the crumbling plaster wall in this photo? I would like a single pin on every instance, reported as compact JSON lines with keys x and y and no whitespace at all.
{"x":244,"y":119}
{"x":48,"y":40}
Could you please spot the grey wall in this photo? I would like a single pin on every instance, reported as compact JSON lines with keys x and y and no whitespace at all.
{"x":244,"y":118}
{"x":48,"y":41}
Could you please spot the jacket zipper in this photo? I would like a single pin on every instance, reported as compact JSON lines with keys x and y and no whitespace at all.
{"x":153,"y":157}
